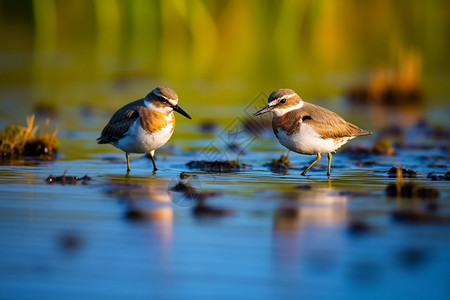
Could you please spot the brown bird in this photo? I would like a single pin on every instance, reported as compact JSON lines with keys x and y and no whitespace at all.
{"x":144,"y":125}
{"x":306,"y":128}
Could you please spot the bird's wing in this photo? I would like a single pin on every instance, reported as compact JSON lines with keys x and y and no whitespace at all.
{"x":120,"y":122}
{"x":329,"y":124}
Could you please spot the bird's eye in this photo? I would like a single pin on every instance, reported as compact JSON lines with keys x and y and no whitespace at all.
{"x":283,"y":101}
{"x":304,"y":118}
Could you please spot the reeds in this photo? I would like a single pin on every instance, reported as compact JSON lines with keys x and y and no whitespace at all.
{"x":16,"y":141}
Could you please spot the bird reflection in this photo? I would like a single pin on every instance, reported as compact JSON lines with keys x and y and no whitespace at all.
{"x":303,"y":213}
{"x":148,"y":204}
{"x":316,"y":207}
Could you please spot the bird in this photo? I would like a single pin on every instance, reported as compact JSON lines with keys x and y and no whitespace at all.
{"x":306,"y":128}
{"x":144,"y":125}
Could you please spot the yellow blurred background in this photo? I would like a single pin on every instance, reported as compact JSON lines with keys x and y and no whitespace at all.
{"x":109,"y":52}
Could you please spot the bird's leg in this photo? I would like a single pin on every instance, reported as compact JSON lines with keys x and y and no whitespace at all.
{"x":127,"y":156}
{"x":329,"y":164}
{"x":312,"y":164}
{"x":152,"y":156}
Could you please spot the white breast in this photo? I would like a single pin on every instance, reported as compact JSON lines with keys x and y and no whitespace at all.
{"x":308,"y":141}
{"x":137,"y":140}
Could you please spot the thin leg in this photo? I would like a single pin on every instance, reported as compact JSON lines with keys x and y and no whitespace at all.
{"x":312,"y":164}
{"x":127,"y":155}
{"x":329,"y":164}
{"x":152,"y":156}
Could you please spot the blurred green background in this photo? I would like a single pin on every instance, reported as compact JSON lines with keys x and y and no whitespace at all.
{"x":220,"y":54}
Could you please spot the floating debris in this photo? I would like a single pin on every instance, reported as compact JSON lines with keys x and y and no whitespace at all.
{"x":217,"y":165}
{"x":304,"y":187}
{"x":359,"y":227}
{"x":136,"y":214}
{"x":17,"y":141}
{"x":184,"y":188}
{"x":367,"y":163}
{"x":280,"y":165}
{"x":432,"y":206}
{"x":380,"y":147}
{"x":416,"y":216}
{"x":435,"y":177}
{"x":354,"y":193}
{"x":185,"y":175}
{"x":411,"y":190}
{"x":412,"y":257}
{"x":427,"y":193}
{"x":70,"y":241}
{"x":408,"y":173}
{"x":66,"y":179}
{"x":203,"y":210}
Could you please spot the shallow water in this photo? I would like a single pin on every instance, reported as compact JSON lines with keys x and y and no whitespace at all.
{"x":281,"y":235}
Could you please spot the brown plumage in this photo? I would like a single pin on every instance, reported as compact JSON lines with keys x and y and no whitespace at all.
{"x":307,"y":128}
{"x":153,"y":120}
{"x":326,"y":123}
{"x":120,"y":121}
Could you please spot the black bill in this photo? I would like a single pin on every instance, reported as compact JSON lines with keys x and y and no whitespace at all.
{"x":181,"y":111}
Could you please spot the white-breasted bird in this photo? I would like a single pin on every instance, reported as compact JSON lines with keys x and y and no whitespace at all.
{"x":306,"y":128}
{"x":144,"y":125}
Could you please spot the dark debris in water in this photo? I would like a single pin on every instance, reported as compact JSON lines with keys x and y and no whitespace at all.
{"x":419,"y":217}
{"x":66,"y":179}
{"x":367,"y":163}
{"x":70,"y":241}
{"x":412,"y":257}
{"x":184,"y":188}
{"x":185,"y":175}
{"x":198,"y":198}
{"x":217,"y":165}
{"x":280,"y":165}
{"x":435,"y":177}
{"x":304,"y":187}
{"x":408,"y":173}
{"x":358,"y":227}
{"x":411,"y":190}
{"x":135,"y":214}
{"x":380,"y":147}
{"x":204,"y":210}
{"x":354,"y":193}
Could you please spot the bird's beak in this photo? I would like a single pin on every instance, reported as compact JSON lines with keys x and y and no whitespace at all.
{"x":181,"y":111}
{"x":263,"y":111}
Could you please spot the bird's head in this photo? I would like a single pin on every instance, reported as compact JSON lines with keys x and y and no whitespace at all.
{"x":281,"y":101}
{"x":165,"y":100}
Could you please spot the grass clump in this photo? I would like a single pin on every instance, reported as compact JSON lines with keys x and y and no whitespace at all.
{"x":17,"y":141}
{"x":280,"y":165}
